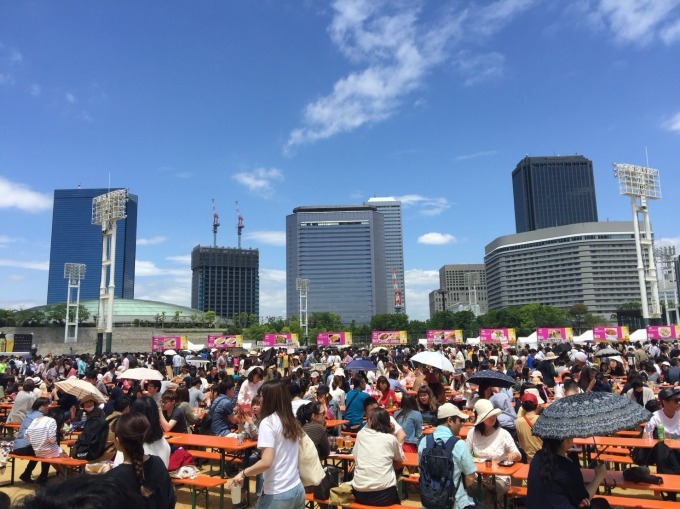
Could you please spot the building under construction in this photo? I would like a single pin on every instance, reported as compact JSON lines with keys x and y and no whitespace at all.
{"x":225,"y":280}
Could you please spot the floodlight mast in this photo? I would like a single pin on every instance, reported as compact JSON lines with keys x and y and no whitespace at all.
{"x":642,"y":184}
{"x":74,"y":272}
{"x":302,"y":286}
{"x":664,"y":256}
{"x":106,"y":210}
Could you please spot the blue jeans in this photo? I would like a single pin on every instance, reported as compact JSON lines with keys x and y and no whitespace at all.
{"x":294,"y":498}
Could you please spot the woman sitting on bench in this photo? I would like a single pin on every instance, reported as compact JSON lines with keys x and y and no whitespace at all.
{"x":44,"y":434}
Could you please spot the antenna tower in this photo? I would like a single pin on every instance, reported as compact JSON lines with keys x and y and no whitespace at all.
{"x":216,"y":223}
{"x":398,"y":305}
{"x":239,"y":225}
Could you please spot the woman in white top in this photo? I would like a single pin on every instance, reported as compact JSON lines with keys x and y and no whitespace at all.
{"x":250,"y":387}
{"x":278,"y":440}
{"x":489,"y":441}
{"x":337,"y":393}
{"x":376,"y":451}
{"x":155,"y":444}
{"x":44,"y":434}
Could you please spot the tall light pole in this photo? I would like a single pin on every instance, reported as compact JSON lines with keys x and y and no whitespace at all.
{"x":106,"y":210}
{"x":642,"y":184}
{"x":471,"y":281}
{"x":302,"y":286}
{"x":74,"y":272}
{"x":664,"y":256}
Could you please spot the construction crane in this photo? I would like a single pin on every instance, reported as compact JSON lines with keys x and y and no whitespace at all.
{"x":398,"y":304}
{"x":239,"y":225}
{"x":216,"y":223}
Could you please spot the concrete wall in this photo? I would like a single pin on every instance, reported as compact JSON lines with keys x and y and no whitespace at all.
{"x":124,"y":339}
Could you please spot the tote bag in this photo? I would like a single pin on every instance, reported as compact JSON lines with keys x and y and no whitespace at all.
{"x":309,"y":465}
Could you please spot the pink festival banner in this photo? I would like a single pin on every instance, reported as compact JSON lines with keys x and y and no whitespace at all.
{"x":554,"y":334}
{"x":225,"y":341}
{"x":334,"y":338}
{"x":278,"y":340}
{"x":502,"y":336}
{"x":444,"y":337}
{"x":162,"y":343}
{"x":664,"y":332}
{"x":389,"y":337}
{"x":610,"y":333}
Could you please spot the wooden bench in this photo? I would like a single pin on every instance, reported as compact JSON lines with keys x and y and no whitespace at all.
{"x":310,"y":501}
{"x":201,"y":484}
{"x":63,"y":461}
{"x":614,"y":500}
{"x":212,"y":457}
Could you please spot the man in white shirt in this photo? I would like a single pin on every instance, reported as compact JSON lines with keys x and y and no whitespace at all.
{"x":176,"y":364}
{"x":668,"y":416}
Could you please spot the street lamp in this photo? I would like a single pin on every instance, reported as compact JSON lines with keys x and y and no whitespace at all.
{"x":302,"y":285}
{"x":642,"y":184}
{"x":106,"y":210}
{"x":664,"y":256}
{"x":74,"y":272}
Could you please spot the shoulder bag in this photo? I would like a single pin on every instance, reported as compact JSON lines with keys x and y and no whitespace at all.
{"x":309,"y":465}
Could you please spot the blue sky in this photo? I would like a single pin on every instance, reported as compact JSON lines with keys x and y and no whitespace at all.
{"x":277,"y":104}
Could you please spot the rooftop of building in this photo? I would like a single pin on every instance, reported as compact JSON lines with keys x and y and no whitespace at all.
{"x":125,"y":310}
{"x":334,"y":208}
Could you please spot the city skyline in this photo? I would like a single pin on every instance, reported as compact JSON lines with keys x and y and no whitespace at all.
{"x":281,"y":103}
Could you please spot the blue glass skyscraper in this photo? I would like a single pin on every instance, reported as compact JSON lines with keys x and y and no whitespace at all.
{"x":341,"y":251}
{"x":76,"y":240}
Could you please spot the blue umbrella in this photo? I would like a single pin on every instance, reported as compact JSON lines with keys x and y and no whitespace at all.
{"x":361,"y":365}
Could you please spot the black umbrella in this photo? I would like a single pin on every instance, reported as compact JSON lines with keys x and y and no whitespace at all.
{"x":267,"y":357}
{"x":361,"y":365}
{"x":492,"y":378}
{"x":588,"y":414}
{"x":562,"y":347}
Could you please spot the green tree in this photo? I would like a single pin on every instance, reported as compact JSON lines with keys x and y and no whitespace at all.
{"x":441,"y":320}
{"x":209,"y":318}
{"x":83,"y":314}
{"x":325,"y":321}
{"x":389,"y":322}
{"x":579,"y":317}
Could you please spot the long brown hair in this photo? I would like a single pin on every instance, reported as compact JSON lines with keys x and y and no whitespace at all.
{"x":379,"y":420}
{"x":276,"y":400}
{"x":131,"y":430}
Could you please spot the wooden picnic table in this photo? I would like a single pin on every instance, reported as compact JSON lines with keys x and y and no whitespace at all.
{"x":223,"y":444}
{"x":332,"y":423}
{"x":619,"y":441}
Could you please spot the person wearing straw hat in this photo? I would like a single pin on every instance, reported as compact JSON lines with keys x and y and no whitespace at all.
{"x":547,"y":368}
{"x":489,"y":441}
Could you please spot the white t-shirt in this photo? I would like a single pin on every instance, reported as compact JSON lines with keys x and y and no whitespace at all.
{"x":283,"y":475}
{"x":374,"y":453}
{"x":671,"y":425}
{"x":159,"y":448}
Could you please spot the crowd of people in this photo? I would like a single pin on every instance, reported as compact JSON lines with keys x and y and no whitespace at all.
{"x":275,"y":398}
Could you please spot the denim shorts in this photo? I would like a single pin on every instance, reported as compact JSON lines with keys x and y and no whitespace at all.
{"x":294,"y":498}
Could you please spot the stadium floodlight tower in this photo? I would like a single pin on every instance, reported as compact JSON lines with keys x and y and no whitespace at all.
{"x":665,"y":256}
{"x":106,"y":210}
{"x":302,"y":286}
{"x":74,"y":272}
{"x":642,"y":184}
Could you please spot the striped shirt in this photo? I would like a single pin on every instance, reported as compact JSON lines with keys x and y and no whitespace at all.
{"x":42,"y":434}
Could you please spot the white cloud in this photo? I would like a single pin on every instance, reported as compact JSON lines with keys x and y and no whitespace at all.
{"x":272,"y":292}
{"x":70,"y":98}
{"x":6,"y":79}
{"x":15,"y":277}
{"x":260,"y":180}
{"x":35,"y":90}
{"x":24,"y":264}
{"x":669,"y":241}
{"x":673,"y":123}
{"x":479,"y":68}
{"x":437,"y":239}
{"x":427,"y":206}
{"x":273,"y":238}
{"x":84,"y":116}
{"x":184,"y":175}
{"x":475,"y":155}
{"x":635,"y":21}
{"x":15,"y":57}
{"x":17,"y":195}
{"x":151,"y":241}
{"x":421,"y":277}
{"x":274,"y":276}
{"x":145,"y":268}
{"x":175,"y":291}
{"x":5,"y":239}
{"x":185,"y":259}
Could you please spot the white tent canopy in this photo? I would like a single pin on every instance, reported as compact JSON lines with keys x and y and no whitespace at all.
{"x":639,"y":335}
{"x":586,"y":336}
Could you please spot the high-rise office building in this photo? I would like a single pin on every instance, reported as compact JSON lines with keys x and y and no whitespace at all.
{"x":225,"y":280}
{"x":588,"y":263}
{"x":553,"y":191}
{"x":462,"y":287}
{"x":76,"y":240}
{"x":390,"y":208}
{"x":341,"y":251}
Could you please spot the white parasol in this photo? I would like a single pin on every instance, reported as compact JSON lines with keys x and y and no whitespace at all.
{"x":141,"y":374}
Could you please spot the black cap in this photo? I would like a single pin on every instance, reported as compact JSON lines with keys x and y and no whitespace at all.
{"x":668,"y":393}
{"x":323,"y":389}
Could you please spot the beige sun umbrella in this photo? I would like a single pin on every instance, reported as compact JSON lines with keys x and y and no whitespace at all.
{"x":80,"y":389}
{"x":141,"y":374}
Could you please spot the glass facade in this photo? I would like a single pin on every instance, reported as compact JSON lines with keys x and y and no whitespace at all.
{"x":553,"y":191}
{"x":591,"y":263}
{"x":76,"y":240}
{"x":341,"y":250}
{"x":225,"y":280}
{"x":390,"y":208}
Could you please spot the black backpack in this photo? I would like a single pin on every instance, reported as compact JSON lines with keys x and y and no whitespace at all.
{"x":91,"y":443}
{"x":437,"y":488}
{"x":203,"y":426}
